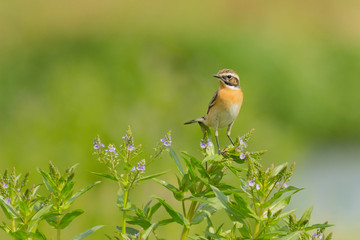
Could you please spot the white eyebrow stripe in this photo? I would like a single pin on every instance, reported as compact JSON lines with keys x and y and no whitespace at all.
{"x":233,"y":75}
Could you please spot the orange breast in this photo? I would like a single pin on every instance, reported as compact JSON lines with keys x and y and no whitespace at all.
{"x":227,"y":97}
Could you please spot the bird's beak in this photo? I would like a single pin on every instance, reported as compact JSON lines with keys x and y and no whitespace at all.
{"x":217,"y":76}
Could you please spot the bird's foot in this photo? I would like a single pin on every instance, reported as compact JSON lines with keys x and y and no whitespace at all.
{"x":224,"y":153}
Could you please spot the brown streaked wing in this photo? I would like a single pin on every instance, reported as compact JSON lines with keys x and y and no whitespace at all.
{"x":212,"y":102}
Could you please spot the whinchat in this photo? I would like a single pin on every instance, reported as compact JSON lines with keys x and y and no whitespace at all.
{"x":225,"y":105}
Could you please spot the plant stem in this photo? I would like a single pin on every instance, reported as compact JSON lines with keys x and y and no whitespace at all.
{"x":13,"y":225}
{"x":183,"y":208}
{"x":191,"y":212}
{"x":184,"y":233}
{"x":126,"y":194}
{"x":256,"y":229}
{"x":58,"y":230}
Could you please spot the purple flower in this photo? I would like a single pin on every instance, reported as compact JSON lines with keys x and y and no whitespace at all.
{"x":166,"y":140}
{"x":243,"y":143}
{"x":131,"y":148}
{"x":133,"y":169}
{"x":7,"y":200}
{"x":112,"y":149}
{"x":285,"y":185}
{"x":205,"y":144}
{"x":140,"y":168}
{"x":242,"y":156}
{"x":251,"y":183}
{"x":102,"y":145}
{"x":18,"y":189}
{"x":319,"y":236}
{"x":257,"y":187}
{"x":124,"y":137}
{"x":244,"y":188}
{"x":5,"y":186}
{"x":96,"y":146}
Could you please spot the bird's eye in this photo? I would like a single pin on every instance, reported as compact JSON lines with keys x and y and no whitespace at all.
{"x":228,"y":76}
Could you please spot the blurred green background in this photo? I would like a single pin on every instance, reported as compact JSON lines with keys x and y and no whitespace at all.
{"x":71,"y":70}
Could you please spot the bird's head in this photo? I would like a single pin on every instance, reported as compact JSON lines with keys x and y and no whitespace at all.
{"x":228,"y":77}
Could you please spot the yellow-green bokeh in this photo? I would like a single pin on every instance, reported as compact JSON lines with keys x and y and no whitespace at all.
{"x":72,"y":70}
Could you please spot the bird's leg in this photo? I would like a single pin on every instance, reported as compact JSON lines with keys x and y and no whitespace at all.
{"x":228,"y":132}
{"x":217,"y":140}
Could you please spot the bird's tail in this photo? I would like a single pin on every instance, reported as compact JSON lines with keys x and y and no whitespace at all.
{"x":200,"y":119}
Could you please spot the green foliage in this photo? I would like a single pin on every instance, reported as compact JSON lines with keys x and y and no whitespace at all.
{"x":120,"y":162}
{"x":255,"y":205}
{"x":25,"y":208}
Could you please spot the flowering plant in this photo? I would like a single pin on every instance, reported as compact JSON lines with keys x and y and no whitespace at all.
{"x":25,"y":208}
{"x":255,"y":204}
{"x":127,"y":171}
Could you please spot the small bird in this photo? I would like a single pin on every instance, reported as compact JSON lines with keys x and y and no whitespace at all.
{"x":224,"y":105}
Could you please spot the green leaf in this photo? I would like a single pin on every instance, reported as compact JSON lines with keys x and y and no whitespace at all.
{"x":280,"y":204}
{"x":138,"y":221}
{"x":105,"y":175}
{"x":19,"y":235}
{"x":291,"y":236}
{"x":204,"y":210}
{"x":153,"y":209}
{"x":197,"y":199}
{"x":72,"y":168}
{"x":277,"y":195}
{"x":190,"y":170}
{"x":120,"y":202}
{"x":176,"y":216}
{"x":9,"y":208}
{"x":316,"y":226}
{"x":177,"y":161}
{"x":213,"y":158}
{"x":306,"y":215}
{"x":226,"y":203}
{"x":87,"y":232}
{"x":23,"y":208}
{"x":278,"y":169}
{"x":270,"y":235}
{"x":49,"y":183}
{"x":239,"y":211}
{"x":129,"y":230}
{"x":179,"y":195}
{"x":69,"y":217}
{"x":67,"y":190}
{"x":38,"y":216}
{"x":166,"y":222}
{"x":148,"y":231}
{"x":8,"y":214}
{"x":152,"y":176}
{"x":195,"y":162}
{"x":82,"y":191}
{"x":285,"y":214}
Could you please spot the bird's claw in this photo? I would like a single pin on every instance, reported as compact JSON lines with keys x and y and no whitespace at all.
{"x":224,"y":153}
